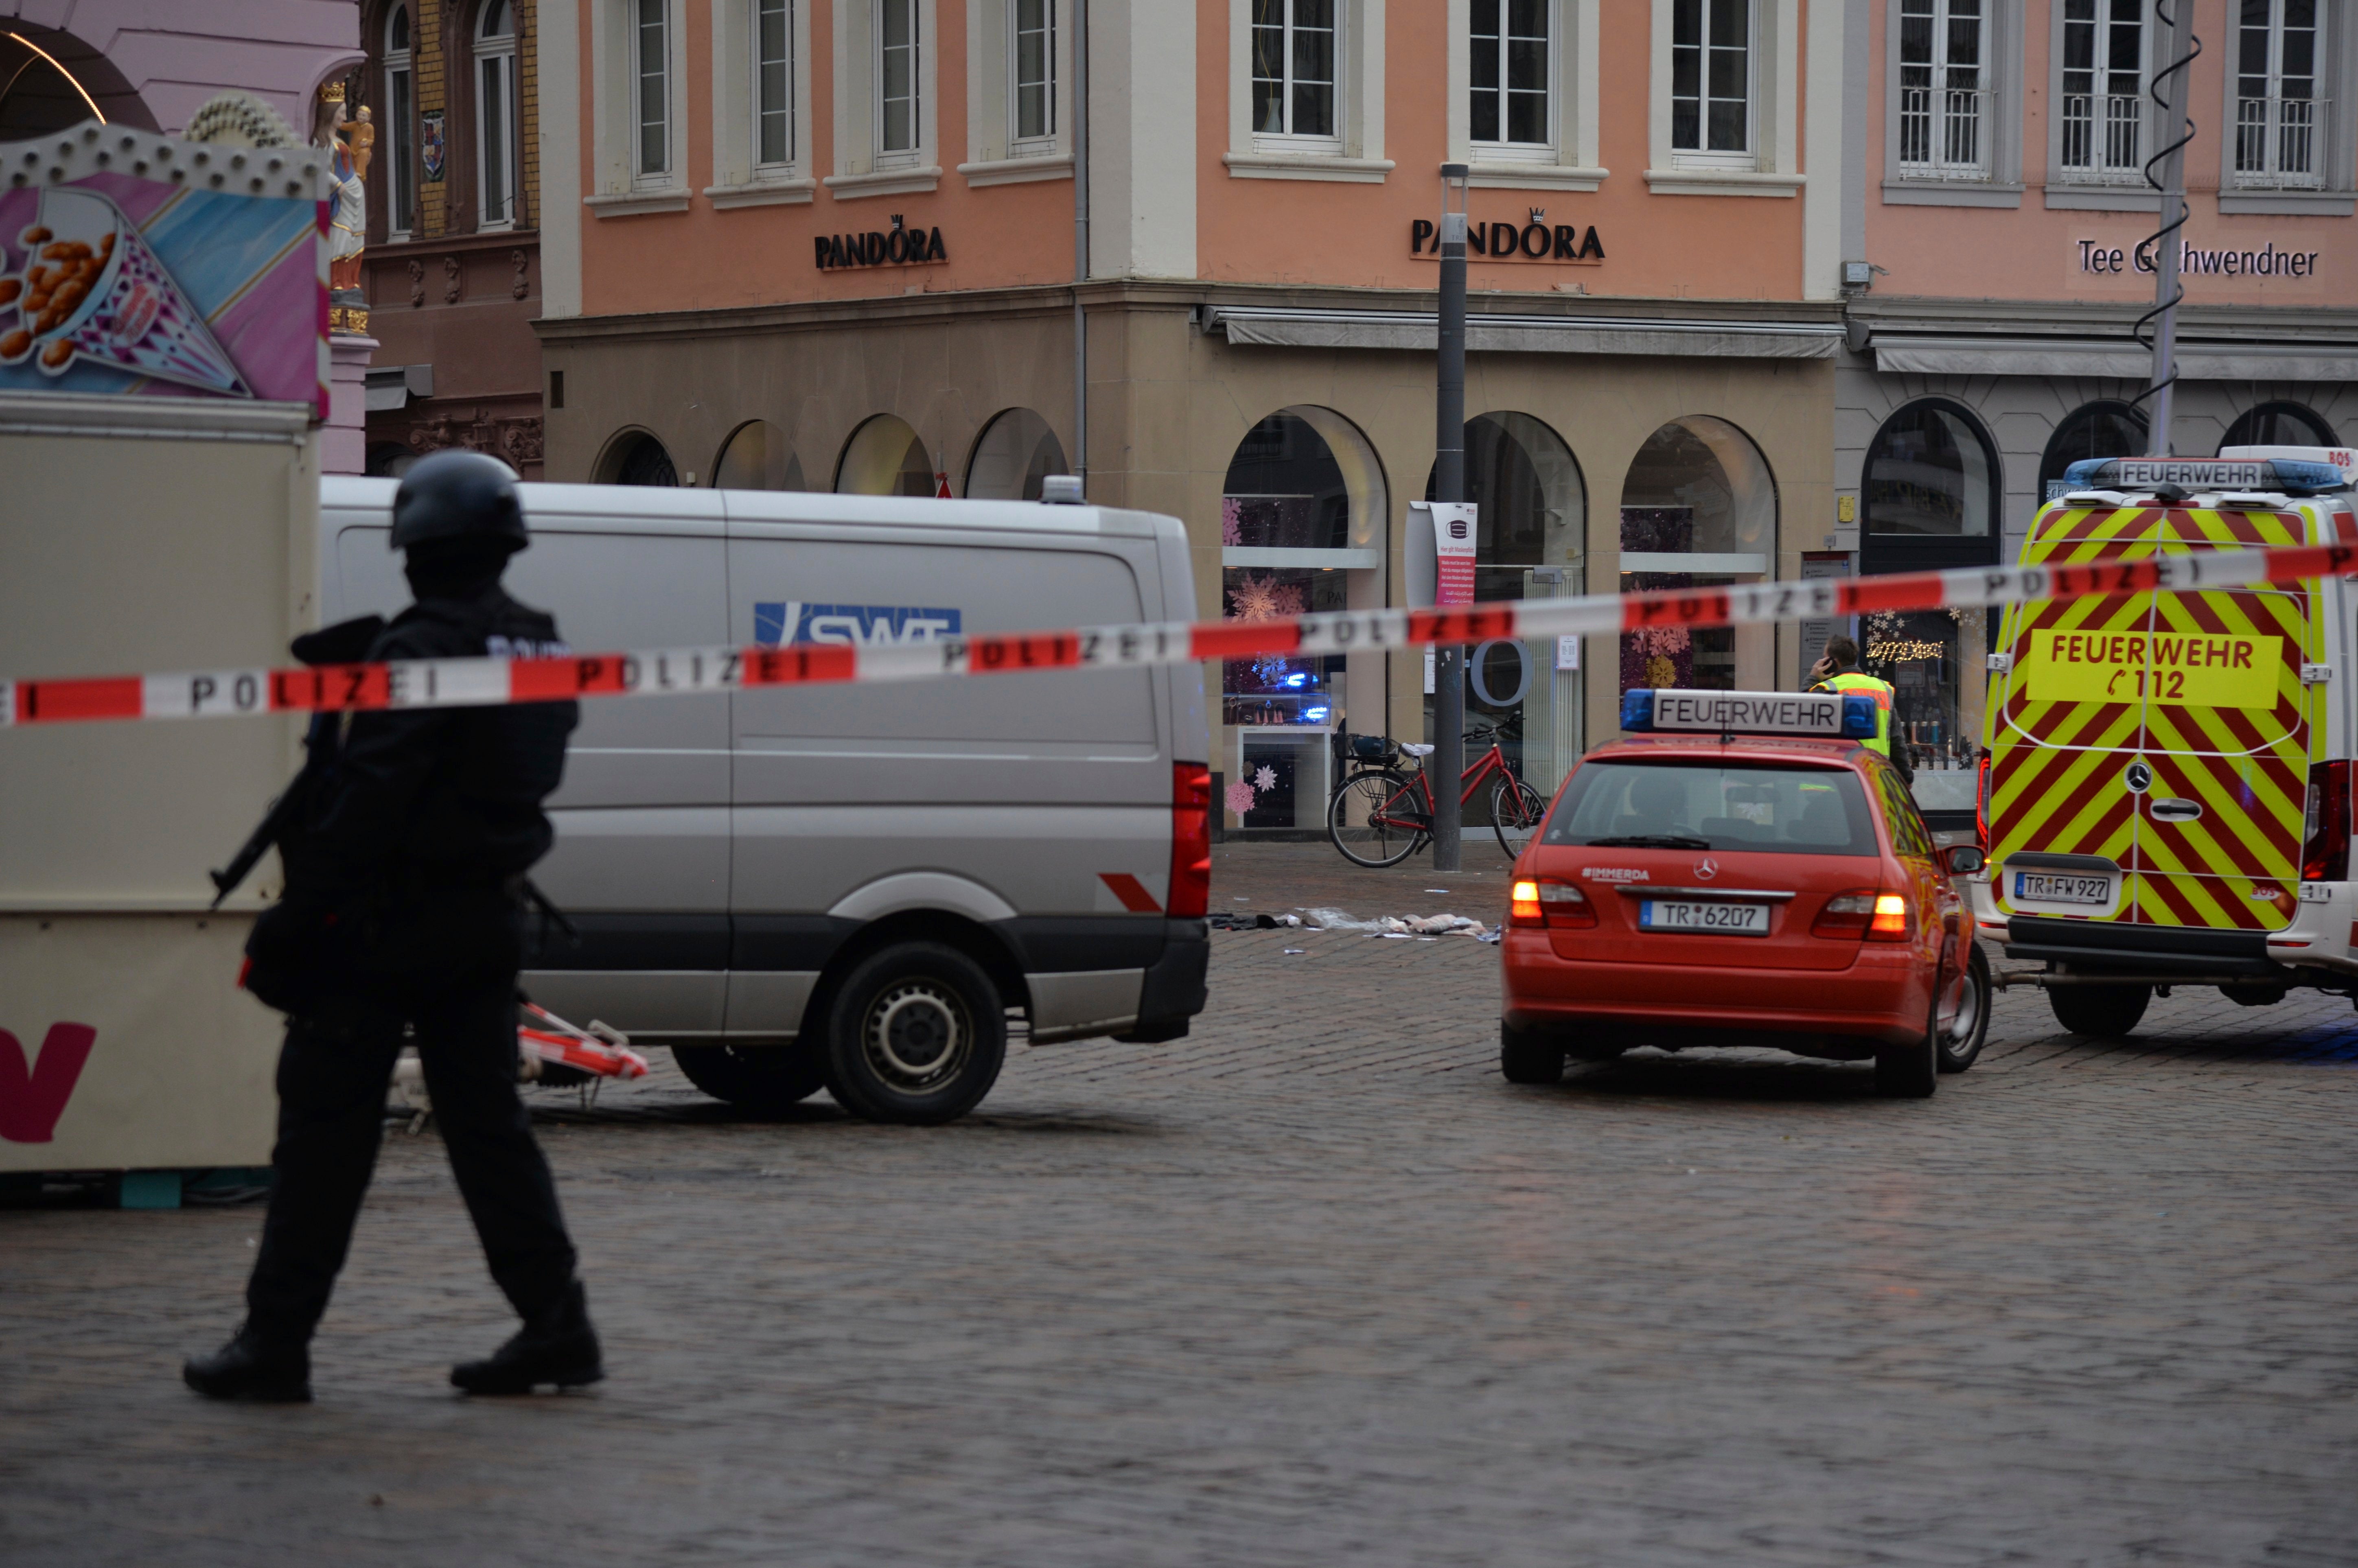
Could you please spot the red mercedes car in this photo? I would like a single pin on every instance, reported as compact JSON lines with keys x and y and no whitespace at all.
{"x":1742,"y":872}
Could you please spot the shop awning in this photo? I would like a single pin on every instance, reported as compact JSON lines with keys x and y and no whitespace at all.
{"x":2113,"y":357}
{"x":1290,"y":327}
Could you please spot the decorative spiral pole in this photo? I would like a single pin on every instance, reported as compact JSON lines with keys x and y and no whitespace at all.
{"x":2173,"y":97}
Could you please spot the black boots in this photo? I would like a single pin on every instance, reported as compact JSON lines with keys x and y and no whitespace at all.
{"x":558,"y":1348}
{"x":250,"y":1367}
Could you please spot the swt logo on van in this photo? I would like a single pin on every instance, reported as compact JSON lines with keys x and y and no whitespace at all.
{"x":776,"y":624}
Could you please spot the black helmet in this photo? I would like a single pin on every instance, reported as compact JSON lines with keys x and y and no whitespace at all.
{"x":456,"y":494}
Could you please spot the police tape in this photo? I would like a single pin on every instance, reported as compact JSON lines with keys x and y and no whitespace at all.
{"x":486,"y":682}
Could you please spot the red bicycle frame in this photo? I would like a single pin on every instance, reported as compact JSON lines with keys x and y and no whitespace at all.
{"x":1490,"y":762}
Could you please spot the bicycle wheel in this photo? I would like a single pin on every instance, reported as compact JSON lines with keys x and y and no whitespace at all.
{"x":1374,"y":819}
{"x":1515,"y":812}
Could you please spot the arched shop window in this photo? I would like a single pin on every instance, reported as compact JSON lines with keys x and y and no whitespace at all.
{"x":2279,"y":424}
{"x":1930,"y":473}
{"x":2106,"y":428}
{"x":884,"y":457}
{"x":757,"y":458}
{"x":1532,"y":532}
{"x":1016,"y":453}
{"x":1698,"y":509}
{"x":637,"y":458}
{"x":1302,"y":524}
{"x":1931,"y":490}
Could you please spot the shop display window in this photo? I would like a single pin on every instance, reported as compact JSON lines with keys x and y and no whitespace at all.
{"x":1285,"y":490}
{"x":1531,"y":533}
{"x":1931,"y":474}
{"x":1274,"y":690}
{"x":1699,"y":511}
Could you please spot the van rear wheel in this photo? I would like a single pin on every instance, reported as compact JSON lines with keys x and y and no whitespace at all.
{"x":916,"y":1034}
{"x":2099,"y":1012}
{"x":758,"y":1077}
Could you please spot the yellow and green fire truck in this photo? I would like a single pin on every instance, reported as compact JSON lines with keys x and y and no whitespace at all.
{"x":2166,"y":786}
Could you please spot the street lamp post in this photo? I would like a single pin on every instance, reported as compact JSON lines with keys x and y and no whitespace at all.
{"x":1442,"y":768}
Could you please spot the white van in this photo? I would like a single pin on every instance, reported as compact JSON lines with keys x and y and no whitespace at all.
{"x":852,"y":885}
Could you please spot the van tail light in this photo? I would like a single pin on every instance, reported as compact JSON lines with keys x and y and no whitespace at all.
{"x":1980,"y":809}
{"x":2325,"y":849}
{"x":1864,"y":912}
{"x":1548,"y":904}
{"x":1191,"y":841}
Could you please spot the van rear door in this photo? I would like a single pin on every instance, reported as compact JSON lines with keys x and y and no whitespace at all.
{"x":2168,"y":733}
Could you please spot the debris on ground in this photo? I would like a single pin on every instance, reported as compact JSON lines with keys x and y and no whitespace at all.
{"x":1223,"y":920}
{"x":1395,"y":925}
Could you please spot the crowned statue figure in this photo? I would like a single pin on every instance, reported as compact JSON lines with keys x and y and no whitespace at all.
{"x":351,"y":144}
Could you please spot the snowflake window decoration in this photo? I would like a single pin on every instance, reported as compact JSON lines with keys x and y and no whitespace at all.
{"x":1255,"y":598}
{"x":1239,"y":798}
{"x":1264,"y":777}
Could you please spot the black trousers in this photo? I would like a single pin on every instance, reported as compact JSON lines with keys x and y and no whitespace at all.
{"x":332,"y":1074}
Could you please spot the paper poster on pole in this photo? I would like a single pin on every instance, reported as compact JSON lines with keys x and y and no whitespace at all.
{"x":1454,"y":544}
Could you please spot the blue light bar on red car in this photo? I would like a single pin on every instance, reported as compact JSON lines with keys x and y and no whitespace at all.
{"x":1826,"y":714}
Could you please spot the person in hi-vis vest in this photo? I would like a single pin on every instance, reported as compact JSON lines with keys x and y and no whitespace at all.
{"x":1838,"y":670}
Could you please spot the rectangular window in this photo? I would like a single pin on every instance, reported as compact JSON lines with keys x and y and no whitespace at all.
{"x":897,"y":123}
{"x":1509,"y":70}
{"x":2276,"y":104}
{"x":652,"y":45}
{"x":1711,"y":78}
{"x":2103,"y":86}
{"x":1293,"y":68}
{"x":495,"y":111}
{"x":773,"y":82}
{"x":1720,"y":806}
{"x":1944,"y":96}
{"x":400,"y":109}
{"x":1034,"y":64}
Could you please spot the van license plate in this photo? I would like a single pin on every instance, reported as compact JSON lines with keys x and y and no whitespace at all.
{"x":1713,"y":919}
{"x":2062,"y":890}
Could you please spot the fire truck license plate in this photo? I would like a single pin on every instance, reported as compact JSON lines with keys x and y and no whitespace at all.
{"x":2062,"y":890}
{"x":1716,"y":919}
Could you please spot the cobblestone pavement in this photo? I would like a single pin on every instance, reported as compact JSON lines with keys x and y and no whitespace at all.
{"x":1313,"y":1286}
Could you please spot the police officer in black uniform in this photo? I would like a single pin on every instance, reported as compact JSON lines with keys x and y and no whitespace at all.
{"x":403,"y":908}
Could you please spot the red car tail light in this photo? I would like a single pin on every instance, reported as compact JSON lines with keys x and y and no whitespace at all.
{"x":1550,"y":904}
{"x":1864,"y":912}
{"x":2325,"y":851}
{"x":1191,"y":841}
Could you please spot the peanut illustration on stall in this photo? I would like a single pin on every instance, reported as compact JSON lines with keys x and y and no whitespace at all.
{"x":90,"y":288}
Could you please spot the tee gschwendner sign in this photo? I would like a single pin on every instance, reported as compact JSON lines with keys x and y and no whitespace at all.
{"x":2193,"y":260}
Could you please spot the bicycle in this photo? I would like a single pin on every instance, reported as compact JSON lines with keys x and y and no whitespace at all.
{"x":1380,"y":814}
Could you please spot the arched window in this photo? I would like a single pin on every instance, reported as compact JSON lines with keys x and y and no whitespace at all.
{"x":2106,"y":428}
{"x":884,"y":457}
{"x":637,"y":458}
{"x":1016,"y":453}
{"x":2279,"y":424}
{"x":1303,"y":515}
{"x":400,"y":127}
{"x":1698,"y":507}
{"x":1932,"y":489}
{"x":495,"y":115}
{"x":1531,"y":533}
{"x":757,"y":458}
{"x":1930,"y":473}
